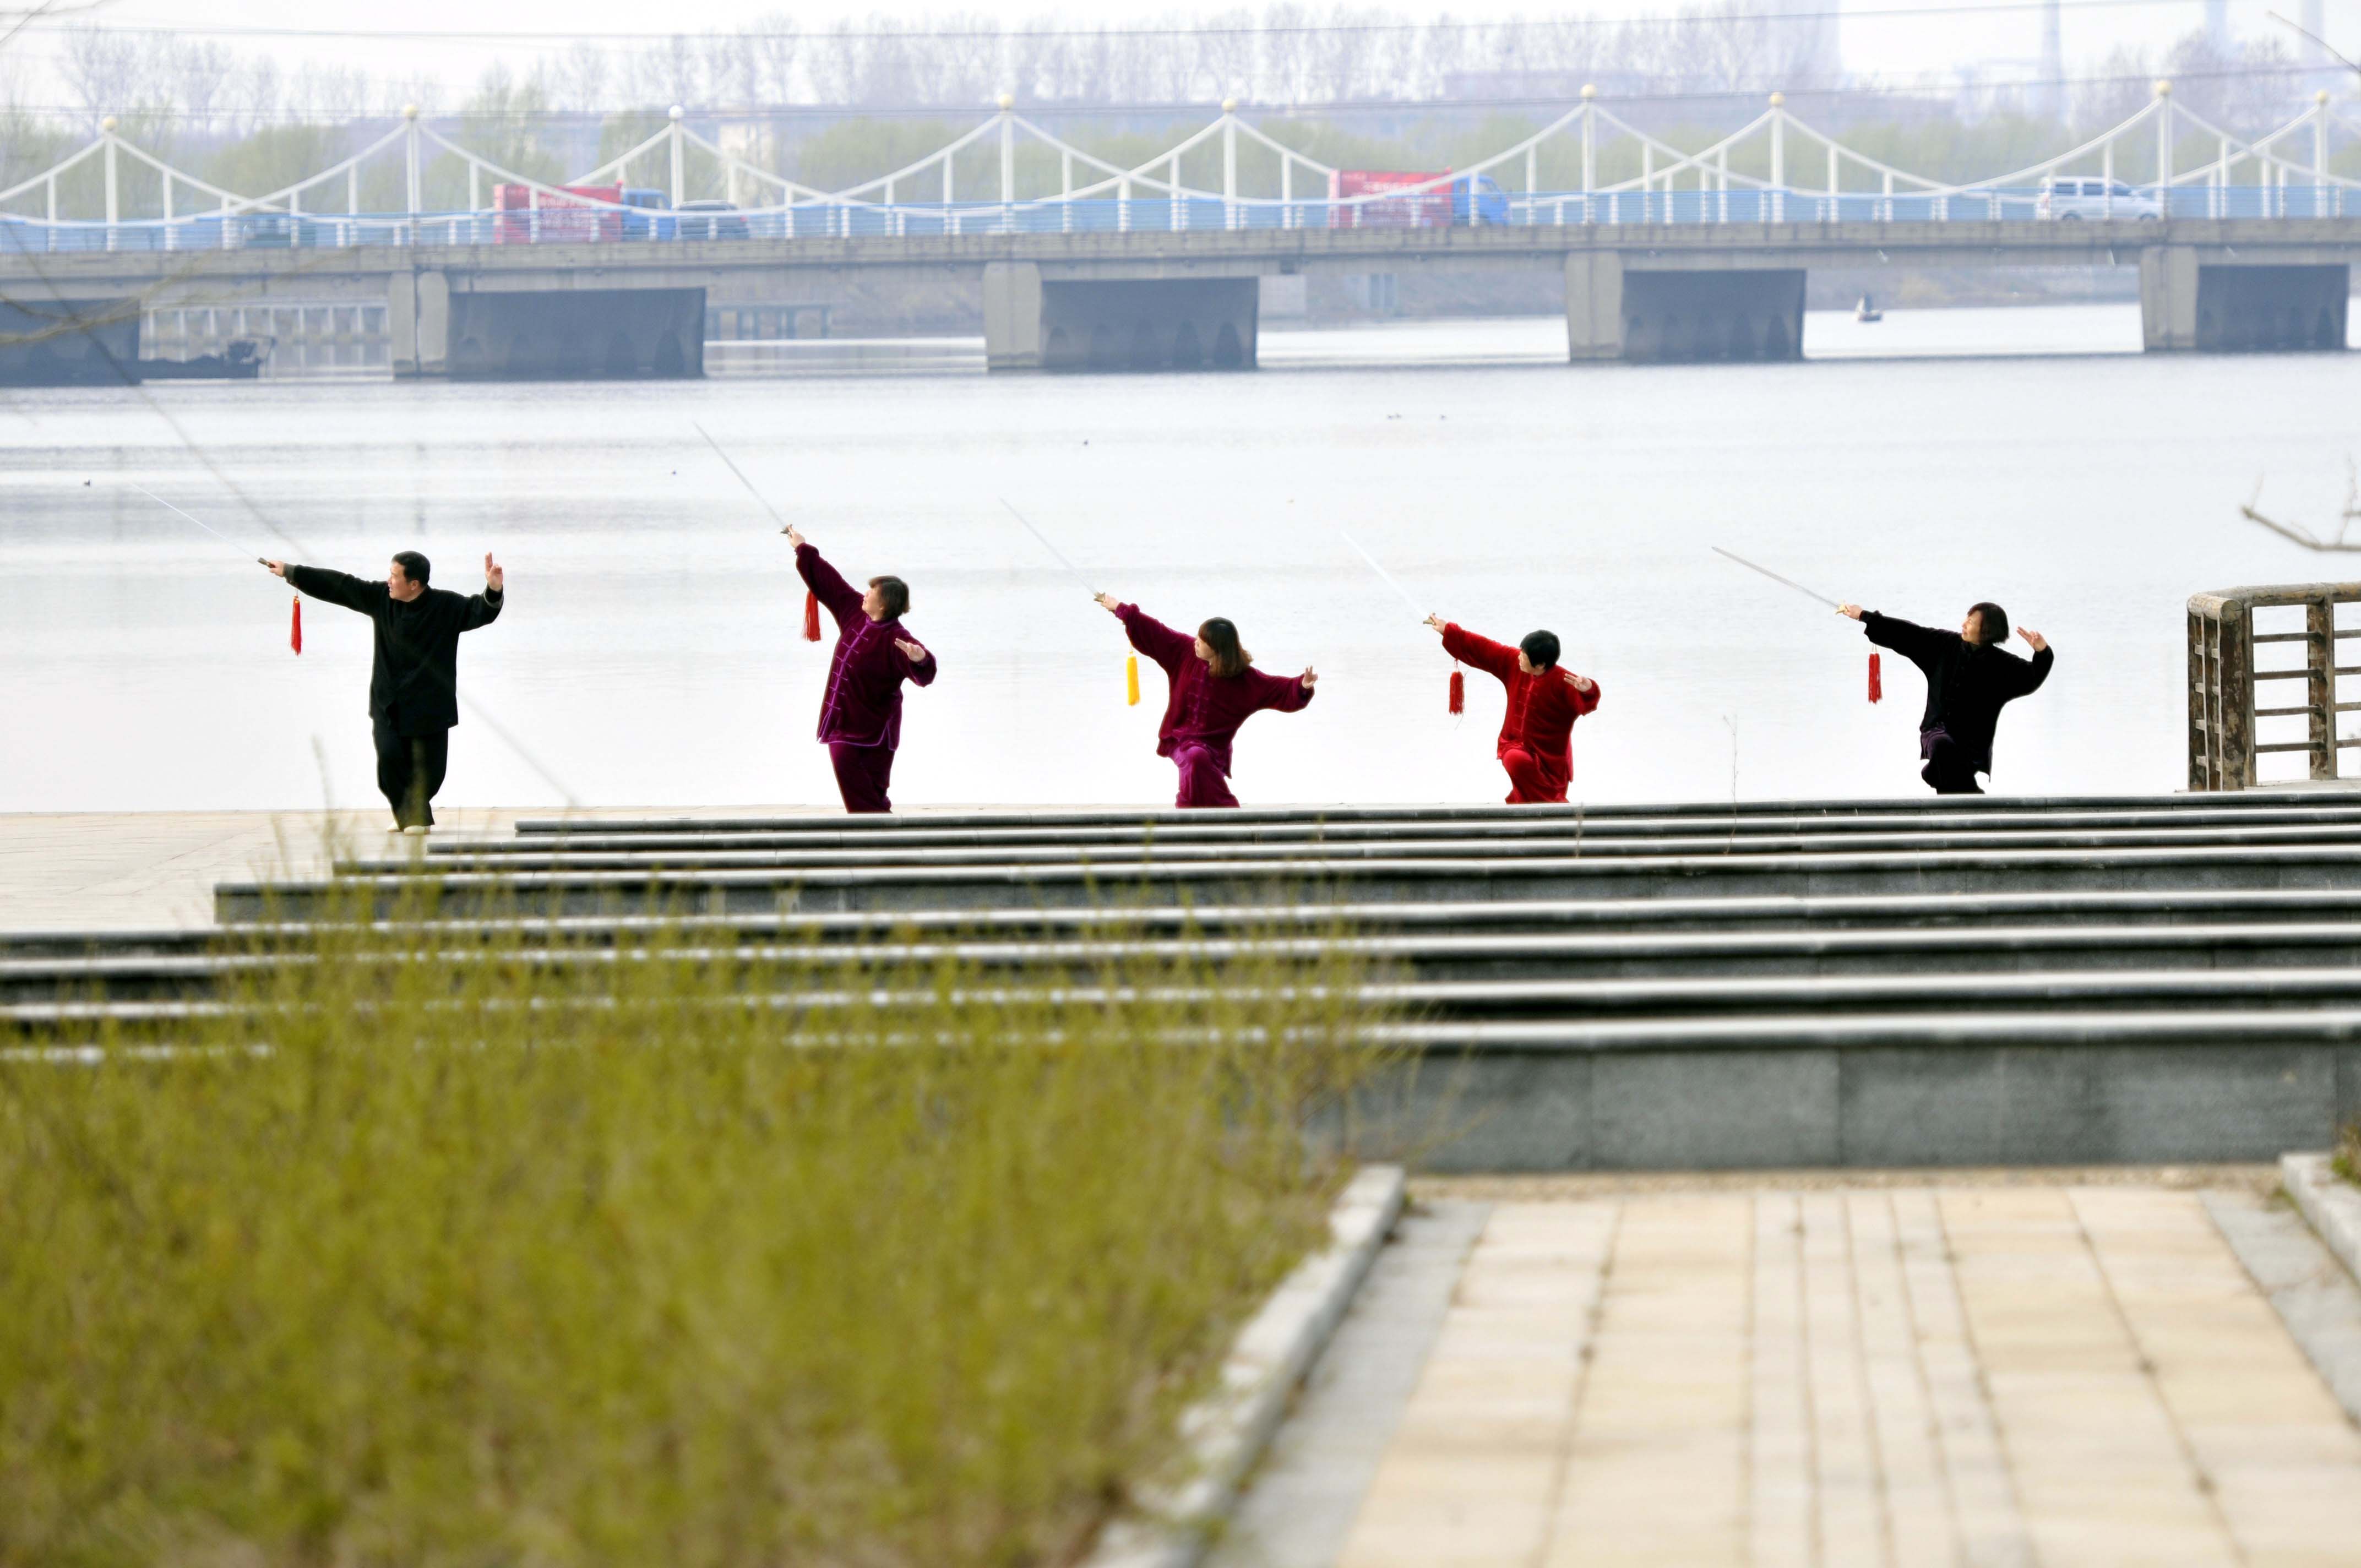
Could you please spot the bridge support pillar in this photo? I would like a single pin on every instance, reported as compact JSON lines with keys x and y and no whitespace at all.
{"x":1153,"y":324}
{"x":546,"y":334}
{"x":1594,"y":305}
{"x":78,"y":343}
{"x":1011,"y":315}
{"x":418,"y":320}
{"x":2167,"y":276}
{"x":1688,"y":316}
{"x":2186,"y":305}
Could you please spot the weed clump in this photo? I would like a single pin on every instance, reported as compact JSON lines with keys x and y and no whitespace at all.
{"x":2347,"y":1160}
{"x":471,"y":1243}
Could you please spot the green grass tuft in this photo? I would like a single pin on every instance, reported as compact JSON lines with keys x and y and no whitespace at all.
{"x":2347,"y":1160}
{"x":452,"y":1249}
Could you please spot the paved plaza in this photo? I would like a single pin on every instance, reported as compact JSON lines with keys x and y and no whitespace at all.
{"x":2005,"y":1371}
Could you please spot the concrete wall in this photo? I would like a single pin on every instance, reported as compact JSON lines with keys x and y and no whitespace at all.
{"x":1965,"y":1104}
{"x":90,"y":343}
{"x":2189,"y":302}
{"x":1614,"y":311}
{"x":1165,"y":323}
{"x":543,"y":334}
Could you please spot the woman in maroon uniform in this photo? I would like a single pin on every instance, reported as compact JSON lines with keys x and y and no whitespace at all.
{"x":1215,"y":688}
{"x":860,"y":715}
{"x":1537,"y":735}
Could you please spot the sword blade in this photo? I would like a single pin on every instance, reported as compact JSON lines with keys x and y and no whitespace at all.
{"x":742,"y":479}
{"x":1380,"y":571}
{"x":1784,"y":582}
{"x":1052,"y":549}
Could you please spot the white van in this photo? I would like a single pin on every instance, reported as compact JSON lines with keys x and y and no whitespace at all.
{"x":2072,"y":197}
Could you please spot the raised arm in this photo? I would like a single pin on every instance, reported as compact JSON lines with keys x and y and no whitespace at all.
{"x":1915,"y":642}
{"x":840,"y":599}
{"x":1492,"y":658}
{"x":1286,"y":694}
{"x":1153,"y":638}
{"x":335,"y":587}
{"x":914,"y":660}
{"x":2036,"y":669}
{"x":483,"y":608}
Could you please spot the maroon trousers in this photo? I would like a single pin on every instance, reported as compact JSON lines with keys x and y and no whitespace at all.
{"x":1202,"y":780}
{"x":862,"y":773}
{"x":1529,"y":785}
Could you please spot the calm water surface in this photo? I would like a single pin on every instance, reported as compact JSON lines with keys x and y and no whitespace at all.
{"x":650,"y":653}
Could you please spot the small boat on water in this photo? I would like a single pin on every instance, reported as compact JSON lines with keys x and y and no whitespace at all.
{"x":242,"y":361}
{"x":1866,"y":311}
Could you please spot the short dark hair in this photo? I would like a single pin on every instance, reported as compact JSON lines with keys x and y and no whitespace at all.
{"x":1230,"y":657}
{"x":896,"y":595}
{"x":1995,"y":621}
{"x":1541,"y":648}
{"x":415,"y":566}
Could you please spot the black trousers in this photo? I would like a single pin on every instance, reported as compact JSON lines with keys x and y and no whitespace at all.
{"x":410,"y":771}
{"x":1948,"y":767}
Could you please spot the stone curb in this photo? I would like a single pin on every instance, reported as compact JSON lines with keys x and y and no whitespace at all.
{"x":1228,"y":1430}
{"x":2331,"y":1203}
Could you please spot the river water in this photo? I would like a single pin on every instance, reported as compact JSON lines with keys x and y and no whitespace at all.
{"x":650,"y":653}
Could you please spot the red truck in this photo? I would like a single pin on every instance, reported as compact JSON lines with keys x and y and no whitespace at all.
{"x":1436,"y":208}
{"x":553,"y":220}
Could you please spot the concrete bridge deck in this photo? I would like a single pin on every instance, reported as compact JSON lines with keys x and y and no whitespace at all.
{"x":1186,"y":298}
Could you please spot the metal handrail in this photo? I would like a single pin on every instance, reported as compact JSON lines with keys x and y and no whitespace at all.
{"x":2224,"y":746}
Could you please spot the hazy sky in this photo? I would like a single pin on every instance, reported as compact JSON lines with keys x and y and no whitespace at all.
{"x":1928,"y":37}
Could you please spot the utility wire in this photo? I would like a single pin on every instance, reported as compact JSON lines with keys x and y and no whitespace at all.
{"x":1020,"y":33}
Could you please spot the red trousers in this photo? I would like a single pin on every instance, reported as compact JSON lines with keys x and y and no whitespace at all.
{"x":861,"y":774}
{"x":1529,"y":786}
{"x":1202,"y":780}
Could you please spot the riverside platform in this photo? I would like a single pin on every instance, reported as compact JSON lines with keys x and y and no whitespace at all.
{"x":1772,"y":984}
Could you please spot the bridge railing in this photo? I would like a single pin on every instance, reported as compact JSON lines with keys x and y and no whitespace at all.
{"x":836,"y":220}
{"x":1775,"y":168}
{"x":2261,"y":657}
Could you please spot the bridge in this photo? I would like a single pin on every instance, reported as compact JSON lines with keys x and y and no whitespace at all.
{"x":1701,"y":255}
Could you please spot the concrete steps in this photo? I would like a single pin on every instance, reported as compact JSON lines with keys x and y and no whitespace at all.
{"x":1774,"y":983}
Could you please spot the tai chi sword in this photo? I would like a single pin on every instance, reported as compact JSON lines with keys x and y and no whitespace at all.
{"x":1784,"y":582}
{"x":759,"y":499}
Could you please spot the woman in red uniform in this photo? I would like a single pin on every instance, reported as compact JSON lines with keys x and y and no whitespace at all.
{"x":861,"y":714}
{"x":1215,"y":688}
{"x":1536,"y":737}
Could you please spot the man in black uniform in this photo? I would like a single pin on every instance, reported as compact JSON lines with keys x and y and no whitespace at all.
{"x":415,"y":682}
{"x":1969,"y":677}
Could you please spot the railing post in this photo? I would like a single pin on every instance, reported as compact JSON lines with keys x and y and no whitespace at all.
{"x":2164,"y":149}
{"x":1720,"y":187}
{"x":410,"y":147}
{"x":1591,"y":145}
{"x":1889,"y":195}
{"x":2320,"y":682}
{"x":1230,"y":163}
{"x":1066,"y":189}
{"x":2108,"y":178}
{"x":352,"y":192}
{"x":2319,"y":153}
{"x":114,"y":208}
{"x":1007,"y":162}
{"x":1778,"y":157}
{"x":679,"y":161}
{"x":1173,"y":182}
{"x":1834,"y":174}
{"x":169,"y":234}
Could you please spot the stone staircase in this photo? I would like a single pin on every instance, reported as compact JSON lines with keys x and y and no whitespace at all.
{"x":1922,"y":983}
